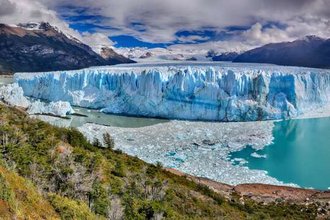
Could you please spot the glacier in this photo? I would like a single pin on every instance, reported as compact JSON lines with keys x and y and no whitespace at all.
{"x":202,"y":91}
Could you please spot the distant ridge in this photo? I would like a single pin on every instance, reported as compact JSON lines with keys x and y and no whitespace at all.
{"x":35,"y":47}
{"x":310,"y":51}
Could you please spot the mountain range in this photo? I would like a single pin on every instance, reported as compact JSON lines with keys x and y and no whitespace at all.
{"x":35,"y":47}
{"x":310,"y":51}
{"x":43,"y":47}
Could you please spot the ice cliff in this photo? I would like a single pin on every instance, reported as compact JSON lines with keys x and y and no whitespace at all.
{"x":219,"y":92}
{"x":13,"y":95}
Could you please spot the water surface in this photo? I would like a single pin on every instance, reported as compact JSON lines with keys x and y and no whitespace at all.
{"x":300,"y":153}
{"x":6,"y":79}
{"x":97,"y":117}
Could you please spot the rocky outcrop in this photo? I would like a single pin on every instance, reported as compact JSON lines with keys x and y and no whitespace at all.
{"x":114,"y":58}
{"x":42,"y":47}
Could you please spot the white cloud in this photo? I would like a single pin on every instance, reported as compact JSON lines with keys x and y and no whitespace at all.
{"x":162,"y":19}
{"x":192,"y":39}
{"x":96,"y":40}
{"x":158,"y":21}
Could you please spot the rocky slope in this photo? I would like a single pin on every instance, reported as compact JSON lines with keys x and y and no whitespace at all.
{"x":112,"y":57}
{"x":310,"y":51}
{"x":42,"y":47}
{"x":230,"y":56}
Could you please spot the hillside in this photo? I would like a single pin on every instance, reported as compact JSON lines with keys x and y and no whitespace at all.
{"x":35,"y":47}
{"x":310,"y":51}
{"x":83,"y":181}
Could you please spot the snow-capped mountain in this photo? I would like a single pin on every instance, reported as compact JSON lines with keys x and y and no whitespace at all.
{"x":143,"y":54}
{"x":34,"y":47}
{"x":110,"y":55}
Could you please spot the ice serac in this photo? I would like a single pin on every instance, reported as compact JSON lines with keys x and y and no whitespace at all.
{"x":13,"y":95}
{"x":226,"y":92}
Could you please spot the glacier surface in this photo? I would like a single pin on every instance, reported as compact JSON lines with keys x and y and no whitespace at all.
{"x":217,"y":92}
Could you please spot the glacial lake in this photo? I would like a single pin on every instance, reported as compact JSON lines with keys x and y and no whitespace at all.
{"x":300,"y":153}
{"x":97,"y":117}
{"x":5,"y":79}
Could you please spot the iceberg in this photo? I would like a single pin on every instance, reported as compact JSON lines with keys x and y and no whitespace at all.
{"x":58,"y":108}
{"x":215,"y":92}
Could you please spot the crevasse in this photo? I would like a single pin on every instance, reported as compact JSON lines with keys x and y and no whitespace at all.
{"x":198,"y":92}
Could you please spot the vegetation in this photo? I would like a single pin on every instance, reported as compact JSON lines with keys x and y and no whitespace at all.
{"x":78,"y":180}
{"x":19,"y":199}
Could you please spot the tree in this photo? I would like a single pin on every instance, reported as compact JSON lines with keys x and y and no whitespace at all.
{"x":108,"y":140}
{"x":97,"y":143}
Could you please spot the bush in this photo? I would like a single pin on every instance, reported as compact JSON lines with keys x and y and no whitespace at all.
{"x":6,"y":194}
{"x":70,"y":209}
{"x":108,"y":141}
{"x":100,"y":199}
{"x":97,"y":143}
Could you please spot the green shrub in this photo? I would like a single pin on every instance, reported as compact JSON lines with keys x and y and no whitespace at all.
{"x":71,"y":209}
{"x":6,"y":193}
{"x":108,"y":141}
{"x":100,"y":199}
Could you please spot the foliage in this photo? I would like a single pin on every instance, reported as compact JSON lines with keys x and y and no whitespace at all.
{"x":71,"y":209}
{"x":108,"y":141}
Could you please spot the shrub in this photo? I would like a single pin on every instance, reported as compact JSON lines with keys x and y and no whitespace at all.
{"x":70,"y":209}
{"x":108,"y":141}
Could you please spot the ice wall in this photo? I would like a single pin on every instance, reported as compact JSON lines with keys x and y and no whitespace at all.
{"x":204,"y":92}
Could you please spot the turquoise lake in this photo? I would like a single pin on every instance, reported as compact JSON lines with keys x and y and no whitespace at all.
{"x":300,"y":153}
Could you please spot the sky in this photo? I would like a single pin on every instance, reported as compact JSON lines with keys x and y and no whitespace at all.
{"x":221,"y":25}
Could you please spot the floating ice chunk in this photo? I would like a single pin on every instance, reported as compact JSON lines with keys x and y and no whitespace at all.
{"x":256,"y":155}
{"x":53,"y":108}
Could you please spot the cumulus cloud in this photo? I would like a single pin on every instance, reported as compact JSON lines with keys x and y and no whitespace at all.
{"x":158,"y":21}
{"x":96,"y":40}
{"x":162,"y":19}
{"x":6,"y":7}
